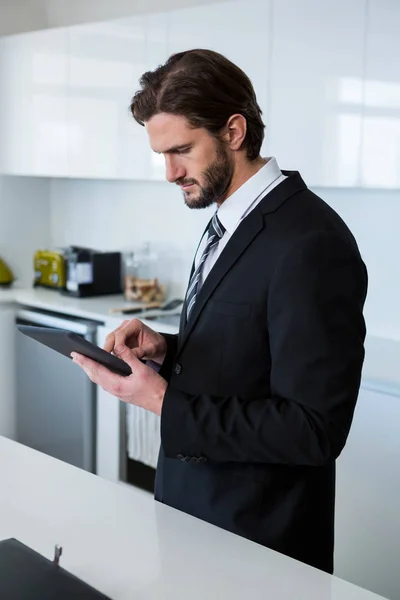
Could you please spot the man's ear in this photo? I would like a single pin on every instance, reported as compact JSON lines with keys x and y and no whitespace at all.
{"x":235,"y":131}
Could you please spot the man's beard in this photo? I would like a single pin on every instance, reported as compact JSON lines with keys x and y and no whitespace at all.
{"x":217,"y":180}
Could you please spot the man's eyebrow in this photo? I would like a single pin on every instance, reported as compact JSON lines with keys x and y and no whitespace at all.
{"x":175,"y":149}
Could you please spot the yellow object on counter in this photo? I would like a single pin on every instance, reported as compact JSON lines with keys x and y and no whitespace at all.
{"x":49,"y":269}
{"x":6,"y":275}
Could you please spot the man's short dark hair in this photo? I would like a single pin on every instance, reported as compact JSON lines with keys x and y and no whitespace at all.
{"x":206,"y":88}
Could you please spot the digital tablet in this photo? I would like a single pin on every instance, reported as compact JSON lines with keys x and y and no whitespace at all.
{"x":66,"y":342}
{"x":27,"y":575}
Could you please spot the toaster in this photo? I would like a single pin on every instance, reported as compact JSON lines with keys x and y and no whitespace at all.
{"x":92,"y":272}
{"x":49,"y":269}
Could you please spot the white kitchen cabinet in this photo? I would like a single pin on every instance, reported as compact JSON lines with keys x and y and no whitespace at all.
{"x":326,"y":76}
{"x":105,"y":63}
{"x":7,"y":370}
{"x":156,"y":39}
{"x":67,"y":92}
{"x":368,"y":493}
{"x":33,"y":125}
{"x":156,"y":53}
{"x":315,"y":80}
{"x":237,"y":29}
{"x":380,"y":157}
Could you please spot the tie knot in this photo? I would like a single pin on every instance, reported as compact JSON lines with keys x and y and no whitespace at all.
{"x":216,"y":227}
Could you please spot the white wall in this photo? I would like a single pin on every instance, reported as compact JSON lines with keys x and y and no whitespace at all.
{"x":24,"y":223}
{"x":374,"y":218}
{"x":122,"y":215}
{"x":107,"y":214}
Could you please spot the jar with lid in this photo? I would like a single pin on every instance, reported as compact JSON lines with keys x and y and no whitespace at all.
{"x":130,"y":271}
{"x":146,"y":262}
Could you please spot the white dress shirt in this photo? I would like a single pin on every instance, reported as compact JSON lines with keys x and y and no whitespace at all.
{"x":237,"y":206}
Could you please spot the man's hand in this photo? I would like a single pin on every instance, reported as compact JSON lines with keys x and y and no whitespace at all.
{"x":145,"y":343}
{"x":144,"y":387}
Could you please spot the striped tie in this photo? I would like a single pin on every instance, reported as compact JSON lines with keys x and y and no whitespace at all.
{"x":215,"y":232}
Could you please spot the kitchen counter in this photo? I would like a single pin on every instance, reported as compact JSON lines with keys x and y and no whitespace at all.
{"x":90,"y":308}
{"x":7,"y":295}
{"x":96,"y":309}
{"x":122,"y":542}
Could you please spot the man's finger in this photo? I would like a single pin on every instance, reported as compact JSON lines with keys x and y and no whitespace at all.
{"x":96,"y":372}
{"x":111,"y":382}
{"x":110,"y":339}
{"x":131,"y":329}
{"x":129,"y":356}
{"x":88,"y":365}
{"x":139,"y":352}
{"x":109,"y":343}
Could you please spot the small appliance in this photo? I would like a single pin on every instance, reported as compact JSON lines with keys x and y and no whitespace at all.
{"x":92,"y":272}
{"x":49,"y":269}
{"x":6,"y":275}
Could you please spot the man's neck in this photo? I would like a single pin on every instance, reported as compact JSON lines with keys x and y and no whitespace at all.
{"x":243,"y":172}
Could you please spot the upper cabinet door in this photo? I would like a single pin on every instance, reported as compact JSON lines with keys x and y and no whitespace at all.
{"x":380,"y":158}
{"x":33,"y":78}
{"x":156,"y":53}
{"x":316,"y":76}
{"x":237,"y":29}
{"x":105,"y":63}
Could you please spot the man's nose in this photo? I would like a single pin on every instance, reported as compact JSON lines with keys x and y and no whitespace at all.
{"x":173,"y":170}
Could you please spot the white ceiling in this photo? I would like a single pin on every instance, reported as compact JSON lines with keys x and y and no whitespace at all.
{"x":24,"y":15}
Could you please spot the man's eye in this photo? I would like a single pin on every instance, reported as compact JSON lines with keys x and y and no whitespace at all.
{"x":183,"y":150}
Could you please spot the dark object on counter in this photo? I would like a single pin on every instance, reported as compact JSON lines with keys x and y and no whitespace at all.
{"x":66,"y":342}
{"x":27,"y":575}
{"x":153,"y":308}
{"x":91,"y":272}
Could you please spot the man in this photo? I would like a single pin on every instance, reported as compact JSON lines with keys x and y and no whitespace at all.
{"x":257,"y":392}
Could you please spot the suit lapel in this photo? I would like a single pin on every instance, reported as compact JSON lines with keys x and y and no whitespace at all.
{"x":241,"y":238}
{"x":292,"y":185}
{"x":235,"y":247}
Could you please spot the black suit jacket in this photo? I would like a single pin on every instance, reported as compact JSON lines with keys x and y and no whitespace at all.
{"x":264,"y":378}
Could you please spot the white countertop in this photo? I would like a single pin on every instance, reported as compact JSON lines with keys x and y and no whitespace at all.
{"x":122,"y":542}
{"x":7,"y":295}
{"x":97,"y":308}
{"x":382,"y":360}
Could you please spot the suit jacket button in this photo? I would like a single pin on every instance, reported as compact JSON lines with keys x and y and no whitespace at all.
{"x":194,"y":459}
{"x":202,"y":459}
{"x":178,"y":368}
{"x":187,"y":458}
{"x":180,"y":456}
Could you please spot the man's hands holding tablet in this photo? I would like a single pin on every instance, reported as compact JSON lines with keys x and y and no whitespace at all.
{"x":133,"y":342}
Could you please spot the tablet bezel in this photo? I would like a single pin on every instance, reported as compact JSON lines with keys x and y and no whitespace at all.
{"x":64,"y":342}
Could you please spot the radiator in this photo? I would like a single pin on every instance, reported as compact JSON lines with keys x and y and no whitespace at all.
{"x":143,"y":435}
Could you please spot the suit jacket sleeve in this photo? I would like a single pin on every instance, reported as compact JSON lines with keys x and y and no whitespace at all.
{"x":172,"y":345}
{"x":316,"y":333}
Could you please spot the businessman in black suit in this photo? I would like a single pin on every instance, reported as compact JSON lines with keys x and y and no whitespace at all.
{"x":257,"y":392}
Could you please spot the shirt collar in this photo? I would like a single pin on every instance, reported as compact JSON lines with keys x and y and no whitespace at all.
{"x":235,"y":206}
